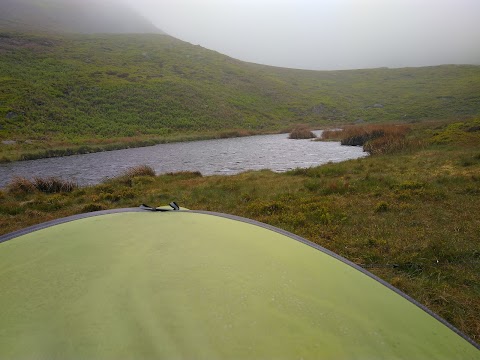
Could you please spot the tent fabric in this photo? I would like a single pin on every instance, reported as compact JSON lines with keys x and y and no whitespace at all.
{"x":183,"y":284}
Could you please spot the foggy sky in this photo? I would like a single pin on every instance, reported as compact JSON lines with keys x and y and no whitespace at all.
{"x":326,"y":34}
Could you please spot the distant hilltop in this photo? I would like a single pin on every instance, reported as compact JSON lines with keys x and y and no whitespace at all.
{"x":74,"y":16}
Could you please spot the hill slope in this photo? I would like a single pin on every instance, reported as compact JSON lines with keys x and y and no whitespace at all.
{"x":61,"y":90}
{"x":78,"y":16}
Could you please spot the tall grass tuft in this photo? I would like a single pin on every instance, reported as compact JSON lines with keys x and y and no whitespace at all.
{"x":301,"y":132}
{"x":50,"y":185}
{"x":128,"y":175}
{"x":136,"y":171}
{"x":21,"y":185}
{"x":390,"y":144}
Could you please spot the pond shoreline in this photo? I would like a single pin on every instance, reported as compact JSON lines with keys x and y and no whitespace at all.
{"x":89,"y":148}
{"x":226,"y":156}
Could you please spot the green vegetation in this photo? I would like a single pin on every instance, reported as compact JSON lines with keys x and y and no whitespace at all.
{"x":65,"y":94}
{"x":410,"y":216}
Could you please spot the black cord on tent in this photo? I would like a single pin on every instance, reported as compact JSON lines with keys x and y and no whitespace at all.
{"x":174,"y":207}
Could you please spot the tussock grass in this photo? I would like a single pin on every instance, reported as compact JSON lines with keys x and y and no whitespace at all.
{"x":302,"y":132}
{"x":21,"y":185}
{"x":49,"y":185}
{"x":129,"y":176}
{"x":388,"y":144}
{"x":136,"y":171}
{"x":375,"y":139}
{"x":52,"y":185}
{"x":358,"y":135}
{"x":410,"y":217}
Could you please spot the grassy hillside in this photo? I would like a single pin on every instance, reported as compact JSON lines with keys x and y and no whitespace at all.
{"x":59,"y":91}
{"x":78,"y":16}
{"x":410,"y":217}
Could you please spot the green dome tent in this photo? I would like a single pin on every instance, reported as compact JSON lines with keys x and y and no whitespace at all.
{"x":132,"y":283}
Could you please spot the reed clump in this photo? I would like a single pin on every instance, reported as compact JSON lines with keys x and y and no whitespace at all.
{"x":235,"y":133}
{"x":302,"y":131}
{"x":52,"y":185}
{"x":375,"y":139}
{"x":21,"y":185}
{"x":390,"y":144}
{"x":49,"y":185}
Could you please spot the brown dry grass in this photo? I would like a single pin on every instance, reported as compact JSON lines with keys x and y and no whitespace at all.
{"x":302,"y":132}
{"x":21,"y":185}
{"x":235,"y":133}
{"x":375,"y":139}
{"x":50,"y":185}
{"x":136,"y":171}
{"x":128,"y":176}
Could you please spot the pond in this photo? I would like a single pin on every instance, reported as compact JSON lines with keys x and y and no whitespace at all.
{"x":210,"y":157}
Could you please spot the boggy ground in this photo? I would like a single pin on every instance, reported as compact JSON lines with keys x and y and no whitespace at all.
{"x":410,"y":216}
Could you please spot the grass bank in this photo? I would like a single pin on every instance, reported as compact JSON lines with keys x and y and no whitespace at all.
{"x":410,"y":216}
{"x":33,"y":150}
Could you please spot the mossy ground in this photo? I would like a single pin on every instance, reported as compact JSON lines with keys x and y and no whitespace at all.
{"x":410,"y":217}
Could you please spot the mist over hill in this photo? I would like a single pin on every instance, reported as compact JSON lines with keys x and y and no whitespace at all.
{"x":326,"y":34}
{"x":61,"y":87}
{"x":77,"y":16}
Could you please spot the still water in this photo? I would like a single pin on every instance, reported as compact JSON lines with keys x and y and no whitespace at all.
{"x":210,"y":157}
